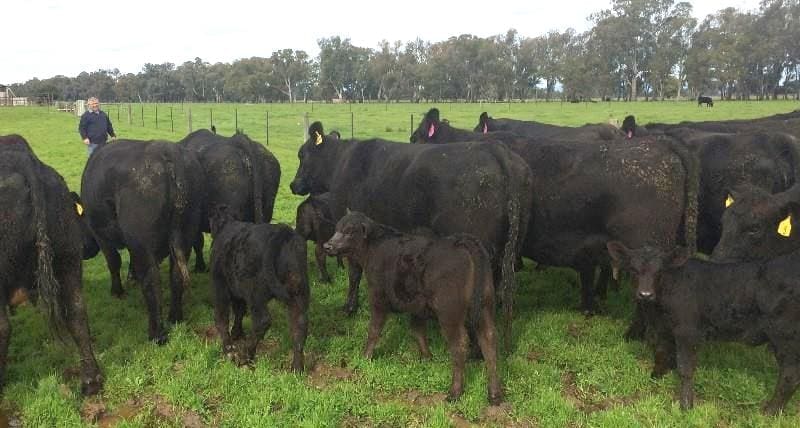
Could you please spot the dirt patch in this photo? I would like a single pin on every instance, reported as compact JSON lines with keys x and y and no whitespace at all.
{"x":155,"y":409}
{"x":459,"y":421}
{"x":208,"y":333}
{"x":589,"y":401}
{"x":9,"y":418}
{"x":322,"y":375}
{"x":492,"y":416}
{"x":576,"y":330}
{"x":535,"y":356}
{"x":352,"y":421}
{"x":417,"y":398}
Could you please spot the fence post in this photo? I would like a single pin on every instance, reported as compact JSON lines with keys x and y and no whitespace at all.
{"x":352,"y":128}
{"x":411,"y":128}
{"x":118,"y":107}
{"x":156,"y":115}
{"x":190,"y":120}
{"x":267,"y":127}
{"x":142,"y":115}
{"x":212,"y":116}
{"x":236,"y":119}
{"x":129,"y":115}
{"x":171,"y":122}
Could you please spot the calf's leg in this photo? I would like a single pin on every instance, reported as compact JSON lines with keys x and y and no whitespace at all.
{"x":320,"y":256}
{"x":222,"y":304}
{"x":686,"y":349}
{"x":788,"y":379}
{"x":487,"y":339}
{"x":354,"y":278}
{"x":239,"y":309}
{"x":199,"y":262}
{"x":419,"y":328}
{"x":298,"y":324}
{"x":377,"y":320}
{"x":456,"y":336}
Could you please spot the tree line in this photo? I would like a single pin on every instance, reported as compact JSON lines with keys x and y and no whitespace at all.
{"x":651,"y":49}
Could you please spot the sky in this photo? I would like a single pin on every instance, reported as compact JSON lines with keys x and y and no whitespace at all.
{"x":45,"y":38}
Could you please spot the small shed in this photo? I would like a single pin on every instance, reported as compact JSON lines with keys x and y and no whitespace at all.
{"x":7,"y":97}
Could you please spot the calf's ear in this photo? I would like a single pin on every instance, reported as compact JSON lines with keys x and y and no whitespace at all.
{"x":679,"y":257}
{"x":619,"y":252}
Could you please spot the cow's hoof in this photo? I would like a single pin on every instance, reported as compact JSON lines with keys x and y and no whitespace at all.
{"x":297,"y":366}
{"x":92,"y":385}
{"x":495,"y":399}
{"x":453,"y":395}
{"x":161,"y":339}
{"x":770,"y":409}
{"x":118,"y":293}
{"x":350,"y":310}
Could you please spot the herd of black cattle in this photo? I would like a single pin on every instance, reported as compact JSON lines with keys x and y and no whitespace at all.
{"x":438,"y":229}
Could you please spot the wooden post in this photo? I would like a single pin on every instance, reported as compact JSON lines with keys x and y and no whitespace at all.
{"x":171,"y":121}
{"x":190,"y":120}
{"x":236,"y":119}
{"x":142,"y":114}
{"x":411,"y":128}
{"x":352,"y":128}
{"x":212,"y":116}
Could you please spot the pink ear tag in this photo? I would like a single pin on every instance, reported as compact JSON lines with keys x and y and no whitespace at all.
{"x":431,"y":131}
{"x":485,"y":128}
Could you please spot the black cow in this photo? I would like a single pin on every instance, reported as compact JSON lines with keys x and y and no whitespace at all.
{"x":449,"y":279}
{"x":693,"y":301}
{"x":316,"y":221}
{"x":252,"y":264}
{"x":588,"y":192}
{"x":705,"y":100}
{"x":40,"y":252}
{"x":592,"y":132}
{"x":146,"y":197}
{"x":240,"y":174}
{"x":759,"y":225}
{"x":477,"y":188}
{"x":782,"y":122}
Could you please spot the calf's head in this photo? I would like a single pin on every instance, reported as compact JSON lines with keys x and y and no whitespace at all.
{"x":219,"y":216}
{"x":484,"y":124}
{"x":646,"y":264}
{"x":757,"y":225}
{"x":351,"y":234}
{"x":629,"y":126}
{"x":318,"y":158}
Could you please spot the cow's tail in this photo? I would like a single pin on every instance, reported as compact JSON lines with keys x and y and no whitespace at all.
{"x":179,"y":195}
{"x":481,"y":276}
{"x":517,"y":224}
{"x":255,"y":170}
{"x":691,"y":164}
{"x":46,"y":284}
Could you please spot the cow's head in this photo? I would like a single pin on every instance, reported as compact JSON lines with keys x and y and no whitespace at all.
{"x":305,"y":219}
{"x":757,"y":225}
{"x":646,"y":264}
{"x":629,"y":126}
{"x":428,"y":128}
{"x":484,"y":126}
{"x":89,"y":244}
{"x":351,"y":235}
{"x":318,"y":160}
{"x":218,"y":217}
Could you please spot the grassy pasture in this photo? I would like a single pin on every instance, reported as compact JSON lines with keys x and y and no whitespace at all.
{"x":565,"y":370}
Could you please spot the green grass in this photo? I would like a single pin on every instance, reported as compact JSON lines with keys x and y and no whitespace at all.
{"x":564,"y":370}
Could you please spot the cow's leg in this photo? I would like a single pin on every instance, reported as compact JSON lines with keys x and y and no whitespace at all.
{"x":602,"y":281}
{"x":177,"y":282}
{"x":298,"y":325}
{"x":487,"y":339}
{"x":114,"y":262}
{"x":222,"y":308}
{"x":5,"y":337}
{"x":377,"y":320}
{"x":151,"y":289}
{"x":320,"y":256}
{"x":261,"y":322}
{"x":199,"y":261}
{"x":686,"y":353}
{"x":663,"y":354}
{"x":239,"y":309}
{"x":588,"y":304}
{"x":354,"y":278}
{"x":339,"y":261}
{"x":788,"y":379}
{"x":455,"y":334}
{"x":419,"y":327}
{"x":78,"y":325}
{"x":637,"y":327}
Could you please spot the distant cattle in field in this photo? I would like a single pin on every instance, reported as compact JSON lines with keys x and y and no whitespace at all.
{"x":240,"y":174}
{"x":479,"y":188}
{"x":488,"y":124}
{"x":252,"y":264}
{"x":694,"y":301}
{"x":448,"y":278}
{"x":587,"y":192}
{"x":316,"y":221}
{"x":705,"y":100}
{"x":146,"y":196}
{"x":40,"y":254}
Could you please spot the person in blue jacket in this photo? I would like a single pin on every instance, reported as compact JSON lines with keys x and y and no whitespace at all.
{"x":95,"y":126}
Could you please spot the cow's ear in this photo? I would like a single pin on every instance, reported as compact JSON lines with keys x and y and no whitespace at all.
{"x":78,"y":205}
{"x":432,"y":115}
{"x":678,"y":257}
{"x":729,"y":200}
{"x":483,"y":122}
{"x":619,"y":252}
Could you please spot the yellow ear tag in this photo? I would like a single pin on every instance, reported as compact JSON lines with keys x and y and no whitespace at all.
{"x":729,"y":201}
{"x":79,"y":208}
{"x":318,"y":141}
{"x":785,"y":227}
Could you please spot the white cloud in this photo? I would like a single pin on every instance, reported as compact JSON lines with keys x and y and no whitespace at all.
{"x":50,"y":37}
